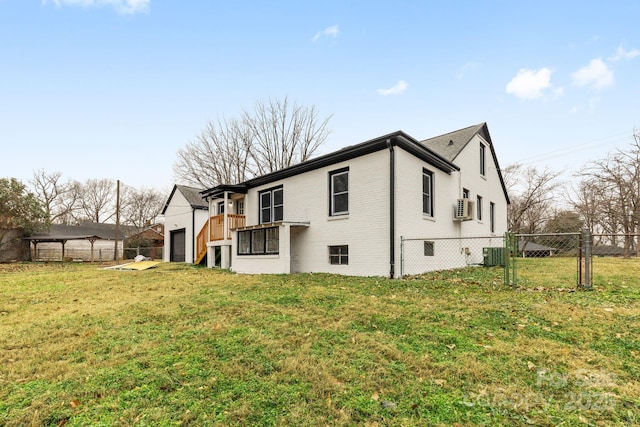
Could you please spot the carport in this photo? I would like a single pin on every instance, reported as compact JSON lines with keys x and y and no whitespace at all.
{"x":35,"y":239}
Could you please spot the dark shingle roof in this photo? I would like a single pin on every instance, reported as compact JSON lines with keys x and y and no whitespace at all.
{"x":451,"y":144}
{"x":192,"y":195}
{"x":83,"y":230}
{"x":531,"y":247}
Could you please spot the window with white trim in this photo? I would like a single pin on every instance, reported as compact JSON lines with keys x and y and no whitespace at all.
{"x":271,"y":205}
{"x":339,"y":192}
{"x":479,"y":208}
{"x":483,"y":150}
{"x":339,"y":255}
{"x":427,"y":192}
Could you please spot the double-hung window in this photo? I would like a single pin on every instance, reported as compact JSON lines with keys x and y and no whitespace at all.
{"x":427,"y":193}
{"x":339,"y":192}
{"x":479,"y":208}
{"x":271,"y":205}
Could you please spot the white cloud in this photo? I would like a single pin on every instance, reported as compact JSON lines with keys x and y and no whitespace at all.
{"x":126,"y":7}
{"x":469,"y":66}
{"x":621,"y":53}
{"x":400,"y":87}
{"x":530,"y":84}
{"x":596,"y":75}
{"x":329,"y":32}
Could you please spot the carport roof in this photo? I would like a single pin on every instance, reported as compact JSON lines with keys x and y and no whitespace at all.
{"x":82,"y":231}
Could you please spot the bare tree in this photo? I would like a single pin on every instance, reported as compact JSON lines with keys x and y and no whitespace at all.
{"x":59,"y":199}
{"x":531,"y":192}
{"x":275,"y":135}
{"x":140,"y":206}
{"x":617,"y":177}
{"x":284,"y":134}
{"x":587,"y":201}
{"x":97,"y":199}
{"x":219,"y":155}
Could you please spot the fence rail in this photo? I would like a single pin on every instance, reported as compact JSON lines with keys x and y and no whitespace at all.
{"x":558,"y":260}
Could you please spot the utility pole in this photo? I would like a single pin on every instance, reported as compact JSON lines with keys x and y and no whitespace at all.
{"x":116,"y":256}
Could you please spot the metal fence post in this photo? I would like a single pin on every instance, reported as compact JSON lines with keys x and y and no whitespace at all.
{"x":587,"y":260}
{"x":401,"y":257}
{"x":507,"y":256}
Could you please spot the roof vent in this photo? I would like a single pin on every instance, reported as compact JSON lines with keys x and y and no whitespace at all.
{"x":451,"y":142}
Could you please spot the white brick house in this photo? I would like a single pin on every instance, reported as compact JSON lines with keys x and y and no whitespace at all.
{"x":345,"y":212}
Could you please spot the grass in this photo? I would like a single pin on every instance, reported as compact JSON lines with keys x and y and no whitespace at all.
{"x":559,"y":272}
{"x":178,"y":345}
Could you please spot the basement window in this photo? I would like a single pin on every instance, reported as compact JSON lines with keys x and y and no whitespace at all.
{"x":339,"y":255}
{"x":429,"y":248}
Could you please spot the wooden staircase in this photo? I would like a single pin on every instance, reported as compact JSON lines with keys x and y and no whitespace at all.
{"x":201,"y":242}
{"x":216,"y":225}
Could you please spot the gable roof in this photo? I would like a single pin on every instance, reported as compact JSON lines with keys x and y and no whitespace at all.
{"x":192,"y":194}
{"x":451,"y":144}
{"x":533,"y":247}
{"x":149,"y":232}
{"x":398,"y":139}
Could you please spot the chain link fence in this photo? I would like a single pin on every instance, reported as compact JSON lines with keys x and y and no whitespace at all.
{"x":566,"y":261}
{"x":615,"y":259}
{"x":421,"y":255}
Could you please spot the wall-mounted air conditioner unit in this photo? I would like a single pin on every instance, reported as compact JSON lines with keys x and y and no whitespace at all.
{"x":465,"y":209}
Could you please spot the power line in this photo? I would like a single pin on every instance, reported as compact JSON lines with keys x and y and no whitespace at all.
{"x":572,"y":149}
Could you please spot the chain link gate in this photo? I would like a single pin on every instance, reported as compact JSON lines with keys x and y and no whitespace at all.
{"x":550,"y":252}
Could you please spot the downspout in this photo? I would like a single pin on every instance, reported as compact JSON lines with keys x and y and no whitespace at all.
{"x":392,"y":219}
{"x":193,"y":235}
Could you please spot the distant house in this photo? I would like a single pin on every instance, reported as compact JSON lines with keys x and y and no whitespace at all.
{"x":185,"y":213}
{"x":534,"y":250}
{"x":87,"y":241}
{"x":148,"y":242}
{"x":607,"y":250}
{"x":346,"y":212}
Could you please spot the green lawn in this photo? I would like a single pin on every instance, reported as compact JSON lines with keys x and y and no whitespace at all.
{"x":178,"y":345}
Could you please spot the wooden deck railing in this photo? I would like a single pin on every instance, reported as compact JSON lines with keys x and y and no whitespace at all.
{"x":217,"y":232}
{"x":217,"y":226}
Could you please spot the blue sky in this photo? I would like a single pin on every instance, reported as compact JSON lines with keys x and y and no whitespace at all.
{"x":114,"y":88}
